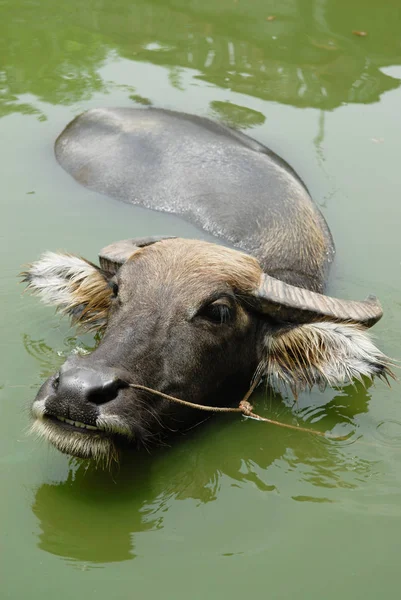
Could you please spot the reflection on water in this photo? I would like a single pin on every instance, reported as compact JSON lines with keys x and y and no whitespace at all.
{"x":94,"y":517}
{"x":103,"y":512}
{"x":306,"y":56}
{"x":95,"y":523}
{"x":235,"y":116}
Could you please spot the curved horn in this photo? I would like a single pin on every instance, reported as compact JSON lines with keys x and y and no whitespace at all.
{"x":113,"y":256}
{"x":289,"y":303}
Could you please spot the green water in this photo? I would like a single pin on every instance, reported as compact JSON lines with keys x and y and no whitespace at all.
{"x":239,"y":508}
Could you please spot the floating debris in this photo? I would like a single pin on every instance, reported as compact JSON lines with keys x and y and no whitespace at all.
{"x":360,"y":33}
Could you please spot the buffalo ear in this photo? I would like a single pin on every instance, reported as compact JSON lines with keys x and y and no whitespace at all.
{"x":323,"y":354}
{"x":113,"y":256}
{"x":75,"y":286}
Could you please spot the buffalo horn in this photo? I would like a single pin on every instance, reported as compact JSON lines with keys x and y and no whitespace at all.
{"x":113,"y":256}
{"x":286,"y":302}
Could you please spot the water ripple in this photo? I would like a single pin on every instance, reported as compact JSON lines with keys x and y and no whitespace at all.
{"x":389,"y":432}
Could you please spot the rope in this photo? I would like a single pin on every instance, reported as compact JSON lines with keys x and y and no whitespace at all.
{"x":244,"y":407}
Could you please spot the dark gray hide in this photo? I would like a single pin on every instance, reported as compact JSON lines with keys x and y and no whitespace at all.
{"x":218,"y":179}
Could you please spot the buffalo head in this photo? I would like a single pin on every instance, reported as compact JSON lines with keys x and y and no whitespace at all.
{"x":190,"y":319}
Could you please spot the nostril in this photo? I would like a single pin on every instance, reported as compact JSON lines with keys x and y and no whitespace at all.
{"x":107,"y":392}
{"x":82,"y":384}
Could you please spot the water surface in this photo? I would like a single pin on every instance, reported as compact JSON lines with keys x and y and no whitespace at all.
{"x":238,"y":507}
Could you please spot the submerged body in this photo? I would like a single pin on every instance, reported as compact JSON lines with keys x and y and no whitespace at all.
{"x":187,"y":318}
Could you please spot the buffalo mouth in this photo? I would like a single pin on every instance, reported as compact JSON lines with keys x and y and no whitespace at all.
{"x":76,"y":441}
{"x":90,"y":436}
{"x":71,"y":425}
{"x":79,"y":439}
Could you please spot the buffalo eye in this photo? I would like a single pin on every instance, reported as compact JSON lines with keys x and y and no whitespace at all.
{"x":219,"y":312}
{"x":113,"y":285}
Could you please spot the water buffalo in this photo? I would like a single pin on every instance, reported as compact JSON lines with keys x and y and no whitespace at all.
{"x":189,"y":318}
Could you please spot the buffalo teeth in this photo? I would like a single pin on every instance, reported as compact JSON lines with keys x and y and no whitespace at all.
{"x":77,"y":423}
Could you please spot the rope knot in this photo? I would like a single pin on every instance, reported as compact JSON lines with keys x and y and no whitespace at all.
{"x":246,"y":408}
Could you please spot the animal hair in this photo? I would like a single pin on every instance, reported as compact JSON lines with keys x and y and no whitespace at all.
{"x":99,"y":448}
{"x":114,"y":424}
{"x":323,"y":354}
{"x":74,"y":285}
{"x":192,"y":264}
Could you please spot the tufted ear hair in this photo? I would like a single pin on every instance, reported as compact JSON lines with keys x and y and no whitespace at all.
{"x":324,"y":353}
{"x":75,"y":286}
